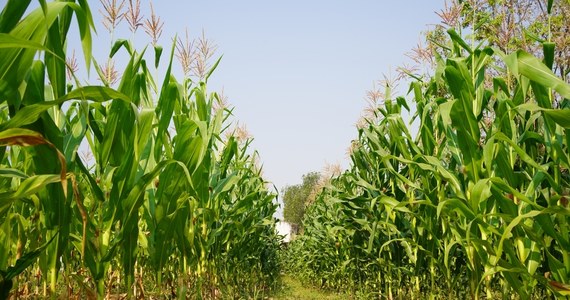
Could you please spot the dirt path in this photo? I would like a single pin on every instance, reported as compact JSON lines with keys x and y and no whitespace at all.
{"x":294,"y":290}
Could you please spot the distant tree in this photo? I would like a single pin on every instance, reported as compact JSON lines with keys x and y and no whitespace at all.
{"x":296,"y":197}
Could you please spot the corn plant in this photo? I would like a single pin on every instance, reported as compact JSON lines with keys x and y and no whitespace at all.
{"x":475,"y":205}
{"x":170,"y":192}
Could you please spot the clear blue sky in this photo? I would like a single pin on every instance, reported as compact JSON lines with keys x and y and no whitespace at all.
{"x":295,"y":71}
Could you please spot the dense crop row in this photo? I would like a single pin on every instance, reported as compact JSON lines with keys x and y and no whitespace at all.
{"x":171,"y":198}
{"x":476,"y":205}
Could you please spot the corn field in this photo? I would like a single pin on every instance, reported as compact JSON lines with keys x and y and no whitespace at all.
{"x":170,"y":196}
{"x":142,"y":186}
{"x":475,"y":207}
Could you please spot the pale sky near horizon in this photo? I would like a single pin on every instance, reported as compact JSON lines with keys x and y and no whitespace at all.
{"x":296,"y":71}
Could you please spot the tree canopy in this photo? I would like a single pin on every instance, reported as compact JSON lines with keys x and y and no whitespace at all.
{"x":295,"y":197}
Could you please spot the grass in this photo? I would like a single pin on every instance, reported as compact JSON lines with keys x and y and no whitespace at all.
{"x":294,"y":289}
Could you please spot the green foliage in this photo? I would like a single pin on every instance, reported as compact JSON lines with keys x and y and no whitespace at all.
{"x":170,"y":200}
{"x":296,"y":197}
{"x":475,"y":206}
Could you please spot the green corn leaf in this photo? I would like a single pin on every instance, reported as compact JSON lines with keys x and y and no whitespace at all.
{"x":480,"y":192}
{"x":212,"y":69}
{"x":456,"y":38}
{"x":118,"y":44}
{"x":559,"y":116}
{"x":516,"y":221}
{"x":25,"y":138}
{"x":26,"y":260}
{"x":532,"y":68}
{"x":558,"y":271}
{"x":35,"y":90}
{"x":549,"y":6}
{"x":157,"y":53}
{"x":28,"y":187}
{"x":12,"y":13}
{"x":167,"y":98}
{"x":9,"y":41}
{"x":456,"y":204}
{"x":31,"y":113}
{"x":548,"y":50}
{"x":7,"y":172}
